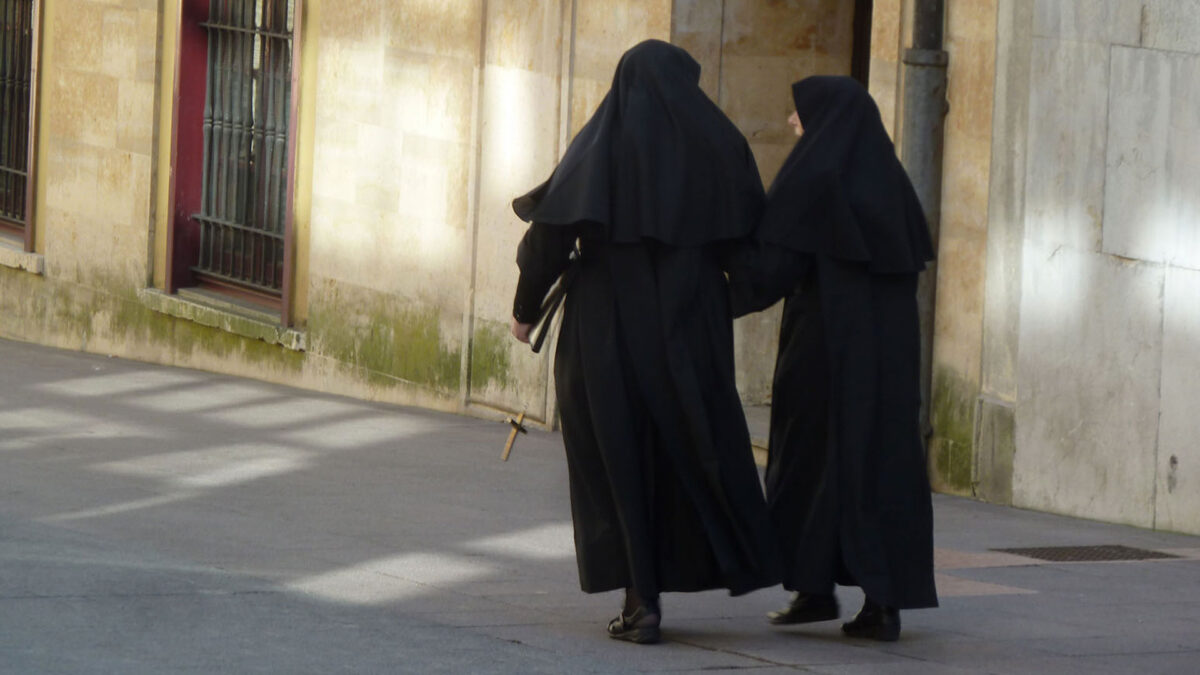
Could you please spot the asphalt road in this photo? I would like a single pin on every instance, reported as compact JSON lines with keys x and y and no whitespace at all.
{"x":160,"y":520}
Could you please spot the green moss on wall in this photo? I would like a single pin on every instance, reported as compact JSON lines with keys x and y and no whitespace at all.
{"x":489,"y":354}
{"x":389,"y":342}
{"x":995,"y":448}
{"x":192,"y":338}
{"x":72,"y":315}
{"x":952,"y":448}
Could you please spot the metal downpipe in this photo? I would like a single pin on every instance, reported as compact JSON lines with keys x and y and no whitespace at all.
{"x":922,"y":141}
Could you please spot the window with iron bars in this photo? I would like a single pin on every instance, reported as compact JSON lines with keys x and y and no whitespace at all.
{"x":234,"y":147}
{"x":18,"y":32}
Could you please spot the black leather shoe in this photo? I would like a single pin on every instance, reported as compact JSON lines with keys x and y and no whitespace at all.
{"x":806,"y":608}
{"x":640,"y":627}
{"x":875,"y":622}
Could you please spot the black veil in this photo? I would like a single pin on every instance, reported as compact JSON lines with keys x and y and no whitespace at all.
{"x":657,"y":160}
{"x":842,"y":192}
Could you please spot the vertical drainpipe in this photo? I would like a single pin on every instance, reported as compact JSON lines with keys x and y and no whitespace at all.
{"x":922,"y":139}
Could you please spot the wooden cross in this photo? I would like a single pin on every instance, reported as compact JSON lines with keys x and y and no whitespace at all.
{"x":517,"y":426}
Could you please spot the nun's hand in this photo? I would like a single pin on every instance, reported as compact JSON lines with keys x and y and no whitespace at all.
{"x":521,"y":331}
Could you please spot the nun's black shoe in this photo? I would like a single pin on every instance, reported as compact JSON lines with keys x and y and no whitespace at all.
{"x":640,"y":627}
{"x":806,"y":608}
{"x":875,"y":622}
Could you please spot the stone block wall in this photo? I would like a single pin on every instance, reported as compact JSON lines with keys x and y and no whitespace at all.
{"x":94,"y":150}
{"x":393,"y":150}
{"x":1065,"y":358}
{"x":962,"y":242}
{"x":1107,"y":360}
{"x":888,"y":39}
{"x":547,"y":65}
{"x":750,"y":53}
{"x":419,"y":122}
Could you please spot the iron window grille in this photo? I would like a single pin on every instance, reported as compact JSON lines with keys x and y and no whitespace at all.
{"x":18,"y":33}
{"x":245,"y":181}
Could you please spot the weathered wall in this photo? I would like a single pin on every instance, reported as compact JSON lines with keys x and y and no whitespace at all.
{"x":970,"y":41}
{"x":419,"y":121}
{"x":1067,"y":322}
{"x":960,"y":402}
{"x":95,"y":147}
{"x":751,"y":52}
{"x":519,"y":131}
{"x":94,"y":175}
{"x":604,"y":29}
{"x":970,"y":451}
{"x":888,"y":39}
{"x":547,"y":66}
{"x":995,"y":417}
{"x":393,"y":152}
{"x":1107,"y":364}
{"x":106,"y":90}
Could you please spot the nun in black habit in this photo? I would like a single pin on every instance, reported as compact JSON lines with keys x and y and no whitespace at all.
{"x":842,"y":240}
{"x":664,"y":492}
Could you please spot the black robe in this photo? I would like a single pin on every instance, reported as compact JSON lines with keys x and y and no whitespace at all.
{"x":664,"y":492}
{"x":843,"y":240}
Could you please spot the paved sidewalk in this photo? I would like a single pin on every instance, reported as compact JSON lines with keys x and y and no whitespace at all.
{"x":159,"y":520}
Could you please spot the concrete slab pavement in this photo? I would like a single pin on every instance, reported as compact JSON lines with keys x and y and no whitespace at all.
{"x":157,"y":520}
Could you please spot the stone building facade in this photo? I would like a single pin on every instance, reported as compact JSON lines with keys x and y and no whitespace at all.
{"x":1068,"y":276}
{"x":1067,"y":347}
{"x":415,"y":123}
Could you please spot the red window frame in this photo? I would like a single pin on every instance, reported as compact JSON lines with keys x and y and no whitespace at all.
{"x":23,"y":229}
{"x":187,"y":162}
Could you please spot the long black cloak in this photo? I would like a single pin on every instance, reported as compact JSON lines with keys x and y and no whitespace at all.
{"x":664,"y":492}
{"x":843,"y":239}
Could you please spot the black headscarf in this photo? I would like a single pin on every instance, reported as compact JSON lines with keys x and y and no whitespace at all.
{"x":842,"y":192}
{"x":657,"y":160}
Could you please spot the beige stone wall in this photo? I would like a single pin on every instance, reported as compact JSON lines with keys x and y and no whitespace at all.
{"x":751,"y":52}
{"x":767,"y":47}
{"x":696,"y":26}
{"x":520,"y":115}
{"x":100,"y":173}
{"x":95,"y":146}
{"x":419,"y":121}
{"x":547,"y":65}
{"x":1106,"y":361}
{"x":1065,"y":360}
{"x":604,"y":29}
{"x":970,"y":41}
{"x":888,"y":39}
{"x":389,"y":239}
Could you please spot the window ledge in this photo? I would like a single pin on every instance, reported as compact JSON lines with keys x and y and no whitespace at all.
{"x":13,"y":256}
{"x":209,"y":309}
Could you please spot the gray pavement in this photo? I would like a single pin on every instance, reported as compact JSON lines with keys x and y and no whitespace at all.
{"x":160,"y":520}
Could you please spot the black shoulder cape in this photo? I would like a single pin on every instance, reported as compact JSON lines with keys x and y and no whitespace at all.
{"x":842,"y":192}
{"x":657,"y":160}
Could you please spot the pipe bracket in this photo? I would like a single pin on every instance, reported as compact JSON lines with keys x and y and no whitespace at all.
{"x":936,"y":58}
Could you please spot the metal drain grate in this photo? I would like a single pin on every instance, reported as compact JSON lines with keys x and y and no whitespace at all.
{"x":1103,"y":553}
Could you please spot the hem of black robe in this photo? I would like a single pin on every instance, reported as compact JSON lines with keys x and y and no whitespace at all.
{"x":925,"y":598}
{"x":735,"y":588}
